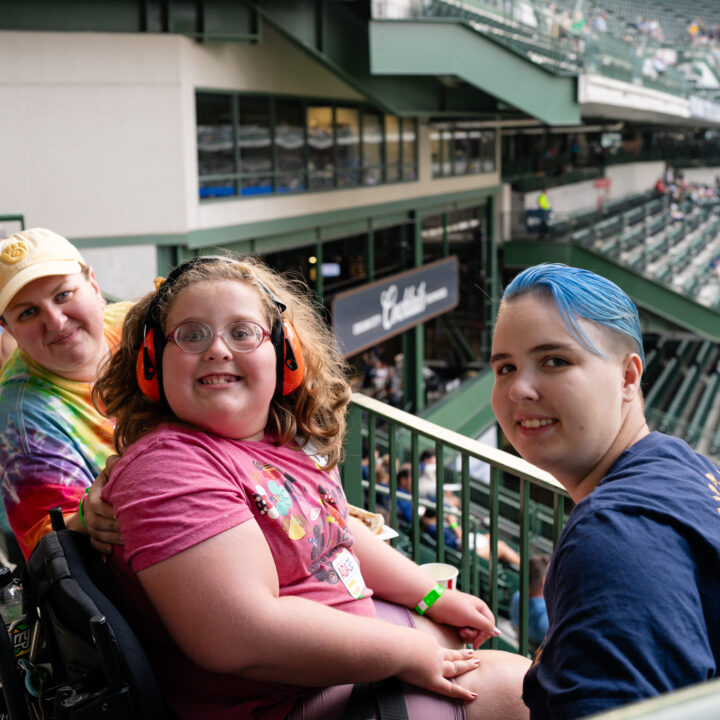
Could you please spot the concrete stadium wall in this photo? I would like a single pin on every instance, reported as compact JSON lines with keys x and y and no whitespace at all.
{"x":100,"y":139}
{"x":703,"y":176}
{"x":624,"y":180}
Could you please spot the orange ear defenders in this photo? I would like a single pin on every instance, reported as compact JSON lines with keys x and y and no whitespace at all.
{"x":148,"y":368}
{"x":147,"y":365}
{"x":288,"y":351}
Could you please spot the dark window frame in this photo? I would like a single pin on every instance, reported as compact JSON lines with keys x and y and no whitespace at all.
{"x":236,"y":177}
{"x":442,"y":129}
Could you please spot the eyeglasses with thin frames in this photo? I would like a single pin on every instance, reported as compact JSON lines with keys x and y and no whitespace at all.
{"x":196,"y":337}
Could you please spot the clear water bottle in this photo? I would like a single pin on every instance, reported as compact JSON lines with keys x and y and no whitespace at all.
{"x":11,"y":599}
{"x":11,"y":602}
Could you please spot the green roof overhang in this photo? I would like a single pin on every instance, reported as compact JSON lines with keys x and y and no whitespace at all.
{"x":451,"y":48}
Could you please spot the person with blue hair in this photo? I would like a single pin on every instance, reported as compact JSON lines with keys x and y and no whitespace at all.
{"x":633,"y":588}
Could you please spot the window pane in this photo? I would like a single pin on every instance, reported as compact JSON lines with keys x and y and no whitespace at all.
{"x":436,"y":152}
{"x":488,"y":141}
{"x":292,"y":260}
{"x":475,"y":152}
{"x":215,"y":145}
{"x":409,"y":136}
{"x":343,"y":264}
{"x":390,"y":245}
{"x":467,"y":236}
{"x":321,"y":162}
{"x":372,"y":149}
{"x":290,"y":146}
{"x":432,"y":237}
{"x":392,"y":148}
{"x":347,"y":122}
{"x":446,"y":152}
{"x":255,"y":147}
{"x":460,"y":152}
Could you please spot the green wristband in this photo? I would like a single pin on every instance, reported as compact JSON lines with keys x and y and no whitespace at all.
{"x":80,"y":512}
{"x":430,"y":599}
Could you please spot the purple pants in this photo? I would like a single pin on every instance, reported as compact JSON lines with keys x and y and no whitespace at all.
{"x":329,"y":703}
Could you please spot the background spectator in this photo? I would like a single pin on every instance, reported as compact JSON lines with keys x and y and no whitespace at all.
{"x":537,"y":610}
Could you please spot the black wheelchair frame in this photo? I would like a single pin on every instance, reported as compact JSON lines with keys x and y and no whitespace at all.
{"x":85,"y":660}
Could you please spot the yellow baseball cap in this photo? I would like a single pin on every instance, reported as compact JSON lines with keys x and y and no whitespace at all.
{"x":33,"y":254}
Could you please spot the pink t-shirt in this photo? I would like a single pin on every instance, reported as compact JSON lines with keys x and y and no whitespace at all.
{"x":175,"y":488}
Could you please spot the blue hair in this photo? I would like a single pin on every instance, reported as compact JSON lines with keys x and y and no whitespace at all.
{"x":582,"y":294}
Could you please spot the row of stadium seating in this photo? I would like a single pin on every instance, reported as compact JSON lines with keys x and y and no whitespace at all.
{"x":622,"y":52}
{"x":673,"y":16}
{"x":681,"y":384}
{"x":678,"y":246}
{"x":675,"y":245}
{"x":521,"y":38}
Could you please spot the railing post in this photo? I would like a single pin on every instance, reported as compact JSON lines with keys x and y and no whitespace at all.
{"x":524,"y":563}
{"x":465,"y":525}
{"x":414,"y":460}
{"x":370,"y":255}
{"x":352,"y":464}
{"x":392,"y":455}
{"x":495,"y":477}
{"x":475,"y":561}
{"x":372,"y":495}
{"x":440,"y":501}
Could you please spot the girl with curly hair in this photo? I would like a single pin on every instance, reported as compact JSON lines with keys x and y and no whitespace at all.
{"x":254,"y":592}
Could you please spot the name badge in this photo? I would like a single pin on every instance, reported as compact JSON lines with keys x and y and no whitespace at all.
{"x":348,"y":570}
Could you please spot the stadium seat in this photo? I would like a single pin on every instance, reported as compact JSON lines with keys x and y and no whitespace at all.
{"x":671,"y":419}
{"x":696,"y":426}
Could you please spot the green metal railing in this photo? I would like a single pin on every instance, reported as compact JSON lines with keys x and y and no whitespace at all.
{"x":15,"y":223}
{"x":698,"y":702}
{"x":531,"y":29}
{"x":402,"y":436}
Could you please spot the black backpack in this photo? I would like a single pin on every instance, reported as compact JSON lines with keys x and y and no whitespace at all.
{"x":98,"y":667}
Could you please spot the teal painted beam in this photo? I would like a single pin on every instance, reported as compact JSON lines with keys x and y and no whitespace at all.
{"x":337,"y":37}
{"x":207,"y":20}
{"x":373,"y":214}
{"x":166,"y":239}
{"x":647,"y":294}
{"x":449,"y":47}
{"x":299,"y":230}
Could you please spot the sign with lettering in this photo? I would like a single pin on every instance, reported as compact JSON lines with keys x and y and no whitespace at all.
{"x":372,"y":313}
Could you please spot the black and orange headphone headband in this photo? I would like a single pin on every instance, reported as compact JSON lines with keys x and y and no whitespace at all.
{"x":288,"y":351}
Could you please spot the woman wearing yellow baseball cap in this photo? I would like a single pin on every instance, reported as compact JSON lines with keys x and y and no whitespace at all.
{"x":53,"y":442}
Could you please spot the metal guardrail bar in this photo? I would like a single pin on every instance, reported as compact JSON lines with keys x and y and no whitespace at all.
{"x":495,"y":478}
{"x":699,"y":702}
{"x":364,"y":415}
{"x":460,"y":443}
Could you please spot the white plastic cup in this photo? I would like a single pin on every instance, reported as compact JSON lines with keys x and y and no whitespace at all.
{"x":442,"y":573}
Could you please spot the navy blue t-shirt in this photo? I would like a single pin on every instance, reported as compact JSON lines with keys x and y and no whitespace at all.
{"x":633,"y":589}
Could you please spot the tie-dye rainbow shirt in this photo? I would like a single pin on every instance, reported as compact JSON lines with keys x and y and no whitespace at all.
{"x":53,"y":442}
